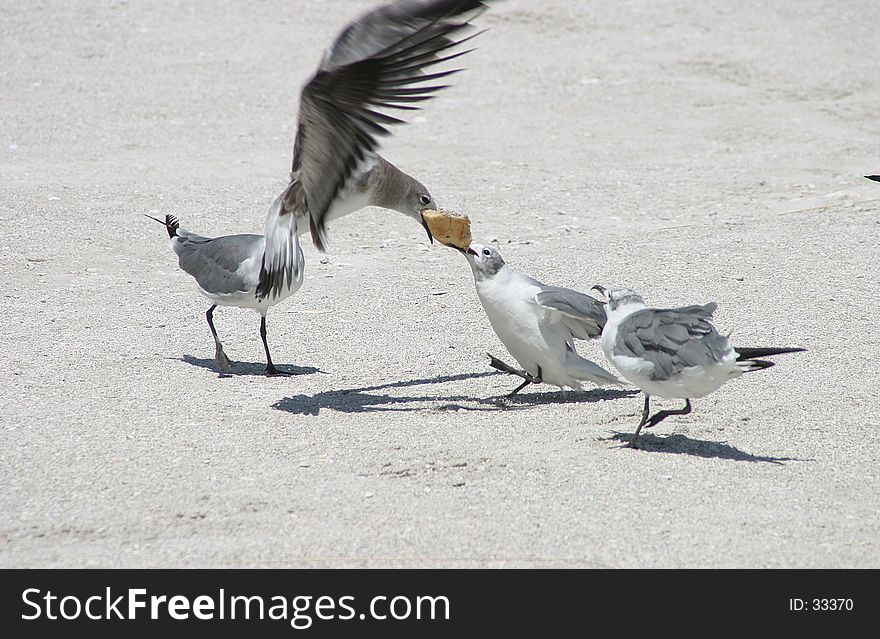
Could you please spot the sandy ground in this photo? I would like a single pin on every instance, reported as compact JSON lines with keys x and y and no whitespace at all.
{"x":695,"y":151}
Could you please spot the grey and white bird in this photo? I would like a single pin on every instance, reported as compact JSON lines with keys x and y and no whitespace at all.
{"x":537,"y":323}
{"x":674,"y":353}
{"x":227,"y":270}
{"x":376,"y":64}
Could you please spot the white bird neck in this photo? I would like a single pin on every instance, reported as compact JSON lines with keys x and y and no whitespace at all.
{"x":500,"y":278}
{"x":623,"y":311}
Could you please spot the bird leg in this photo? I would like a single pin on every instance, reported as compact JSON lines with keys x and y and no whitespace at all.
{"x":270,"y":367}
{"x":645,"y":412}
{"x":663,"y":414}
{"x":658,"y":417}
{"x":220,"y":358}
{"x":496,"y":363}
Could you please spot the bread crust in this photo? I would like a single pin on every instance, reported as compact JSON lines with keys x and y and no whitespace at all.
{"x":449,"y":228}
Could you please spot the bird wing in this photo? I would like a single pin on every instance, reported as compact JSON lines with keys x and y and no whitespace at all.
{"x":281,"y":265}
{"x":582,"y":315}
{"x":378,"y":62}
{"x":216,"y":263}
{"x":672,"y":339}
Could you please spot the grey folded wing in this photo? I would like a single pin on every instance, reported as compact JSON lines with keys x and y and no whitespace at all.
{"x":672,"y":339}
{"x":221,"y":265}
{"x":582,"y":315}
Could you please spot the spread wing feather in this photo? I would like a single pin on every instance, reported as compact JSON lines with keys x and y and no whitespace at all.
{"x":378,"y":62}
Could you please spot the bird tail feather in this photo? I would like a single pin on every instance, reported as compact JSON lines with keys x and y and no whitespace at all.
{"x":584,"y":369}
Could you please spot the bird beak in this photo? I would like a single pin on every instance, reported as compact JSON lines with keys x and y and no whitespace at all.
{"x":469,"y":251}
{"x":601,"y":290}
{"x":425,"y":225}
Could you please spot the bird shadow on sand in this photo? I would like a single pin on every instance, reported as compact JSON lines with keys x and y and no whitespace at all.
{"x":563,"y":397}
{"x":681,"y":445}
{"x":246,"y":368}
{"x":365,"y":399}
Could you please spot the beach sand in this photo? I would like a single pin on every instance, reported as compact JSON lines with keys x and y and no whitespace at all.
{"x":696,"y":152}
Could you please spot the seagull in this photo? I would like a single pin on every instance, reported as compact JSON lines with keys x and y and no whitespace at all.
{"x":674,"y":353}
{"x":226,"y":270}
{"x":537,"y":323}
{"x":377,"y":63}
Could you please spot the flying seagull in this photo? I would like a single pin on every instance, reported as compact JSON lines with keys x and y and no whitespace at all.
{"x":674,"y":353}
{"x":376,"y":64}
{"x":537,"y":323}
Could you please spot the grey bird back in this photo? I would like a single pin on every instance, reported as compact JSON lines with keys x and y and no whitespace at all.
{"x":671,"y":339}
{"x":215,"y":262}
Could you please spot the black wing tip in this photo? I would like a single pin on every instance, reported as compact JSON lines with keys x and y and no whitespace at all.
{"x":270,"y":283}
{"x":319,"y":234}
{"x":743,"y":354}
{"x":273,"y":280}
{"x":264,"y":286}
{"x":758,"y":364}
{"x":876,"y":178}
{"x":171,"y":223}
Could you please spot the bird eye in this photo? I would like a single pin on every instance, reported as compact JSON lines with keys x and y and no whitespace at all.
{"x":424,"y":200}
{"x":486,"y":252}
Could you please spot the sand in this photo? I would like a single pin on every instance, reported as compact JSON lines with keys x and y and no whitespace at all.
{"x":694,"y":151}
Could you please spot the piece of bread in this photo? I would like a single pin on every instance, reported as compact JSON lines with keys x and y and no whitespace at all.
{"x":451,"y":229}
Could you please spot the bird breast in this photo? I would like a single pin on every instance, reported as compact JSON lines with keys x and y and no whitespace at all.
{"x":518,"y":323}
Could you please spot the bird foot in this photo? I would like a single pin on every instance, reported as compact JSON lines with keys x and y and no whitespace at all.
{"x":271,"y":371}
{"x":223,"y":362}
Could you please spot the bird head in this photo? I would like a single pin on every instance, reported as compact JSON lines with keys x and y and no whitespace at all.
{"x":485,"y":261}
{"x":416,"y":199}
{"x":619,"y":297}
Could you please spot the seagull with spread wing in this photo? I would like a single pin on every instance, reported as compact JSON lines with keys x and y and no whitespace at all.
{"x":377,"y":63}
{"x":384,"y":60}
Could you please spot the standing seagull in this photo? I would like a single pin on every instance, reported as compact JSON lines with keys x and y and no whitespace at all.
{"x":377,"y":63}
{"x":537,"y":323}
{"x":226,"y":269}
{"x":674,"y":353}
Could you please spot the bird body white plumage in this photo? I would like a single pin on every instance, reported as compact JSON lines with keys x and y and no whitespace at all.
{"x":688,"y":383}
{"x":534,"y":341}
